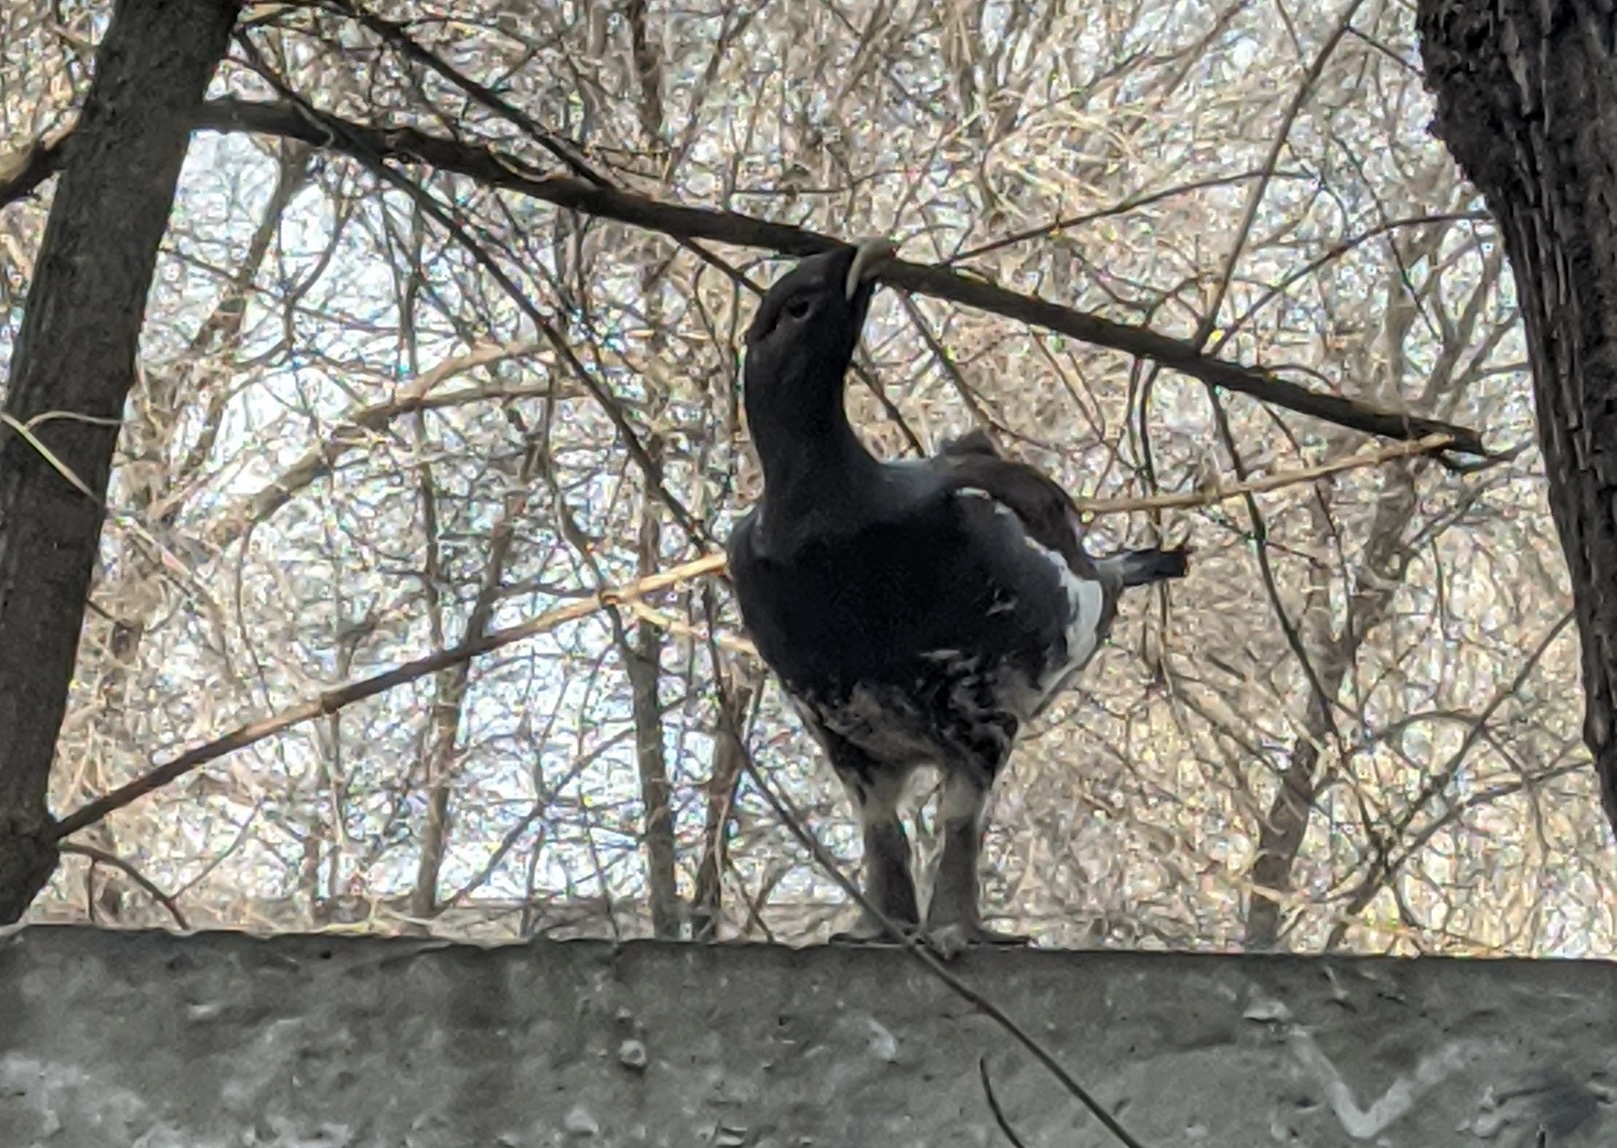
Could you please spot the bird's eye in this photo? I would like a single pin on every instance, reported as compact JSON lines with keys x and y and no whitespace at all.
{"x":798,"y":308}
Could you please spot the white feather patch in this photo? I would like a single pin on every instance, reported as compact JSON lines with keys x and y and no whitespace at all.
{"x":1085,"y":600}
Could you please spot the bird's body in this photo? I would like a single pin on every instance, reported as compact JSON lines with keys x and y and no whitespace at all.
{"x":923,"y":622}
{"x":917,"y":612}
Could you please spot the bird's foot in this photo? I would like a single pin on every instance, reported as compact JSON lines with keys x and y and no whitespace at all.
{"x":872,"y":932}
{"x":950,"y":940}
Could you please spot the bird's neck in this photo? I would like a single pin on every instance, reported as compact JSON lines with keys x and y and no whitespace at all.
{"x":810,"y":455}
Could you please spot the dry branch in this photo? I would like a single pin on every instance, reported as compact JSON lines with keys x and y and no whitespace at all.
{"x":1266,"y":485}
{"x":102,"y":857}
{"x":353,"y":432}
{"x":330,"y":701}
{"x":22,"y":171}
{"x":631,"y":597}
{"x":681,"y":222}
{"x":993,"y":1105}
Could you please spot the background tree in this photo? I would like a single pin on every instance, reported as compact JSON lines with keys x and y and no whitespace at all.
{"x":443,"y":337}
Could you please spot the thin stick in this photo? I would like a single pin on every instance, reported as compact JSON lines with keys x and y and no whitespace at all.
{"x":331,"y":701}
{"x":792,"y":819}
{"x":1267,"y":484}
{"x":631,"y":596}
{"x":102,"y":857}
{"x":993,"y":1104}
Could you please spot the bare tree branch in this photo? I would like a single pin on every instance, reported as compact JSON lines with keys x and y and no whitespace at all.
{"x":993,"y":1105}
{"x":334,"y":700}
{"x":103,"y":857}
{"x":497,"y":170}
{"x":411,"y":145}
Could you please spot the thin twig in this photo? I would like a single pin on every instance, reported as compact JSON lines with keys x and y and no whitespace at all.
{"x":102,"y":857}
{"x":1072,"y":222}
{"x":793,"y":820}
{"x":122,"y":519}
{"x":1271,"y":164}
{"x":630,"y":596}
{"x":993,"y":1104}
{"x":1266,"y":484}
{"x":330,"y":701}
{"x":26,"y":432}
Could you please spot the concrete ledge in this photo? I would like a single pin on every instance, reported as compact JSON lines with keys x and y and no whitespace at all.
{"x":145,"y":1040}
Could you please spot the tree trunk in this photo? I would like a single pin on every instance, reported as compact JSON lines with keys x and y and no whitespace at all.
{"x":642,"y":661}
{"x":1527,"y":103}
{"x":729,"y":761}
{"x":1333,"y":654}
{"x":70,"y":373}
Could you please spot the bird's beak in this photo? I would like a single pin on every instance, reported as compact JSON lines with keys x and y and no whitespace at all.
{"x":870,"y":256}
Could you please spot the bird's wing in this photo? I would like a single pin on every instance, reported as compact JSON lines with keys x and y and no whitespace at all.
{"x":1031,"y":507}
{"x":1045,"y":511}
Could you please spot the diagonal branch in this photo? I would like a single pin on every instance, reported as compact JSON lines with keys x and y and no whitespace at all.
{"x":630,"y":597}
{"x":499,"y":170}
{"x":352,"y":433}
{"x":103,"y":857}
{"x":333,"y":700}
{"x":22,"y":171}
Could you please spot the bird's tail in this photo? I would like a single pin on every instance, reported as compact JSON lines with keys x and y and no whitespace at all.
{"x":1143,"y":567}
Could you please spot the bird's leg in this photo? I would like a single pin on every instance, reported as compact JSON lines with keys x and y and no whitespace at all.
{"x":953,"y":920}
{"x":888,"y":884}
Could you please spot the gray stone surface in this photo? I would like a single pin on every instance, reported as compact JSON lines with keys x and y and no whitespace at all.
{"x":144,"y":1040}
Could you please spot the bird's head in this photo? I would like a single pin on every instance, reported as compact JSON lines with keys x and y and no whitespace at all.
{"x":804,"y":332}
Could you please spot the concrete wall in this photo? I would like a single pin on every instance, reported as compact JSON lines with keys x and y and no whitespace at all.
{"x":143,"y":1040}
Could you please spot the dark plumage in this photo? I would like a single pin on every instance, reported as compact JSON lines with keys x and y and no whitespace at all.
{"x":917,"y":612}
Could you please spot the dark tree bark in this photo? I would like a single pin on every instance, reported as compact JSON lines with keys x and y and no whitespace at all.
{"x":642,"y":663}
{"x":729,"y":761}
{"x":70,"y":374}
{"x":1527,"y":103}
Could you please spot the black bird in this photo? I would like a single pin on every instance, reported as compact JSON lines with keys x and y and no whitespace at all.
{"x":918,"y":612}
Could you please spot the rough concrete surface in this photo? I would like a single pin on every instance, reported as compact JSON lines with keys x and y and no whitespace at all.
{"x":145,"y":1040}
